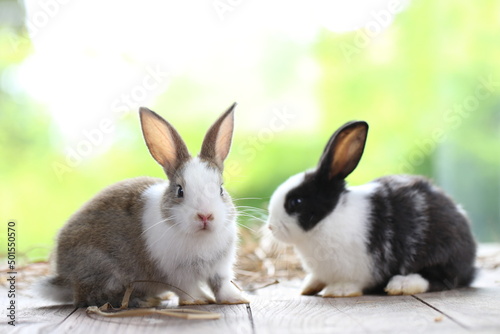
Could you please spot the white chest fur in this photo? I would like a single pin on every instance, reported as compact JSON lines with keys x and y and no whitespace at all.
{"x":336,"y":249}
{"x":178,"y":255}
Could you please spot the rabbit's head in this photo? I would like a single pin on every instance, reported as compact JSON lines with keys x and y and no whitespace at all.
{"x":195,"y":201}
{"x":305,"y":199}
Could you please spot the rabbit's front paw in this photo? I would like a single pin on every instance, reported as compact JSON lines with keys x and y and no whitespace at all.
{"x":312,"y":286}
{"x":229,"y":294}
{"x":197,"y":297}
{"x":144,"y":302}
{"x":342,"y":290}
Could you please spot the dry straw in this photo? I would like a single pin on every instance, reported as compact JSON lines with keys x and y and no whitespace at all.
{"x":110,"y":312}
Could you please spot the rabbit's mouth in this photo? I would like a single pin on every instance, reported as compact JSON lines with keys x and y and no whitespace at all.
{"x":204,"y":227}
{"x":280,"y":231}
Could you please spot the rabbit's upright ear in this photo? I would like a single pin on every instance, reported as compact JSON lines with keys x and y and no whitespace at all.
{"x":344,"y":150}
{"x":163,"y":141}
{"x":217,"y":141}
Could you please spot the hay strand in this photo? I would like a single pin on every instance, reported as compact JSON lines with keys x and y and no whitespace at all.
{"x":187,"y":314}
{"x":123,"y":311}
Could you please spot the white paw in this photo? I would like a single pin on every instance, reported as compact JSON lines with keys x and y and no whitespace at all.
{"x":229,"y":294}
{"x":199,"y":297}
{"x":312,"y":286}
{"x":343,"y":290}
{"x":407,"y":285}
{"x":234,"y":300}
{"x":235,"y":297}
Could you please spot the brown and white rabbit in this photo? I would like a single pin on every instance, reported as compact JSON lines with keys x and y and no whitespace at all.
{"x":181,"y":232}
{"x":397,"y":233}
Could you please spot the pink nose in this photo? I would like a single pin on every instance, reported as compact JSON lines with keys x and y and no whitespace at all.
{"x":205,"y":218}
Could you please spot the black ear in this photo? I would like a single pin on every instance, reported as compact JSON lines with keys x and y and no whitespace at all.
{"x":344,"y":150}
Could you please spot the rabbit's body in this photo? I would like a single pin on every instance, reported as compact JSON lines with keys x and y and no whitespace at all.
{"x":336,"y":257}
{"x":399,"y":233}
{"x":177,"y":235}
{"x":417,"y":228}
{"x":103,"y":271}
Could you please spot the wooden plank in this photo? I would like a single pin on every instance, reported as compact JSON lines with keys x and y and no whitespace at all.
{"x":234,"y":320}
{"x":37,"y":319}
{"x":477,"y":309}
{"x":33,"y":315}
{"x":488,"y":259}
{"x":30,"y":328}
{"x":280,"y":309}
{"x":284,"y":311}
{"x":36,"y":315}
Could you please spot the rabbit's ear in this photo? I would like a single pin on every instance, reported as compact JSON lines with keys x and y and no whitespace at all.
{"x":217,"y":141}
{"x":163,"y":141}
{"x":344,"y":150}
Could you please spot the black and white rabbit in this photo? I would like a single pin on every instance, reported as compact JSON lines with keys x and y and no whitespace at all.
{"x":181,"y":232}
{"x":397,"y":233}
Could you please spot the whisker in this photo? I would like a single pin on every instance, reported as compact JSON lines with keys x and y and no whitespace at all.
{"x":260,"y":221}
{"x":250,"y":207}
{"x":164,"y":232}
{"x":250,"y":213}
{"x":263,"y":219}
{"x":160,"y":222}
{"x":161,"y":237}
{"x":247,"y":198}
{"x":253,"y":211}
{"x":248,"y":228}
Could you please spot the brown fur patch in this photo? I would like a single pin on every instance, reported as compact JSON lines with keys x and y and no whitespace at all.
{"x":102,"y":242}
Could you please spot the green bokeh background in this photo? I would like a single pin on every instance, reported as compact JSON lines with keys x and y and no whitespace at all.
{"x":417,"y":87}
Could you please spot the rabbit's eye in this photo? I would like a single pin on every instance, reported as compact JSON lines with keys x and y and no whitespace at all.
{"x":180,"y":191}
{"x":221,"y":191}
{"x":293,"y":203}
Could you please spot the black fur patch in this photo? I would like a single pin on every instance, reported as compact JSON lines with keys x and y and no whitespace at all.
{"x":313,"y":199}
{"x":416,"y":228}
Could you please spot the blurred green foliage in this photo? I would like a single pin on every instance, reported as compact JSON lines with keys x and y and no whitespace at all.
{"x":430,"y":89}
{"x":416,"y":83}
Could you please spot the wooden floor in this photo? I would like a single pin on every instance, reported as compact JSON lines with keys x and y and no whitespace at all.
{"x":280,"y":309}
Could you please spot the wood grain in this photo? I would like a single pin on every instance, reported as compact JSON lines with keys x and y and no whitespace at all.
{"x":234,"y":320}
{"x":477,"y":309}
{"x":276,"y":312}
{"x":36,"y":316}
{"x":280,"y":308}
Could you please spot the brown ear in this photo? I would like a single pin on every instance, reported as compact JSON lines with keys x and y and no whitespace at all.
{"x":217,"y":142}
{"x":163,"y":141}
{"x":344,"y":150}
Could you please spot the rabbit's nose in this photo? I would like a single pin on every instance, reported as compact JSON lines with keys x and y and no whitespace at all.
{"x":205,"y":218}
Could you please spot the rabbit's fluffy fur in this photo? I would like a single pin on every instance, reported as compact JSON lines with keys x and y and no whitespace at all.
{"x":398,"y":233}
{"x":177,"y":235}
